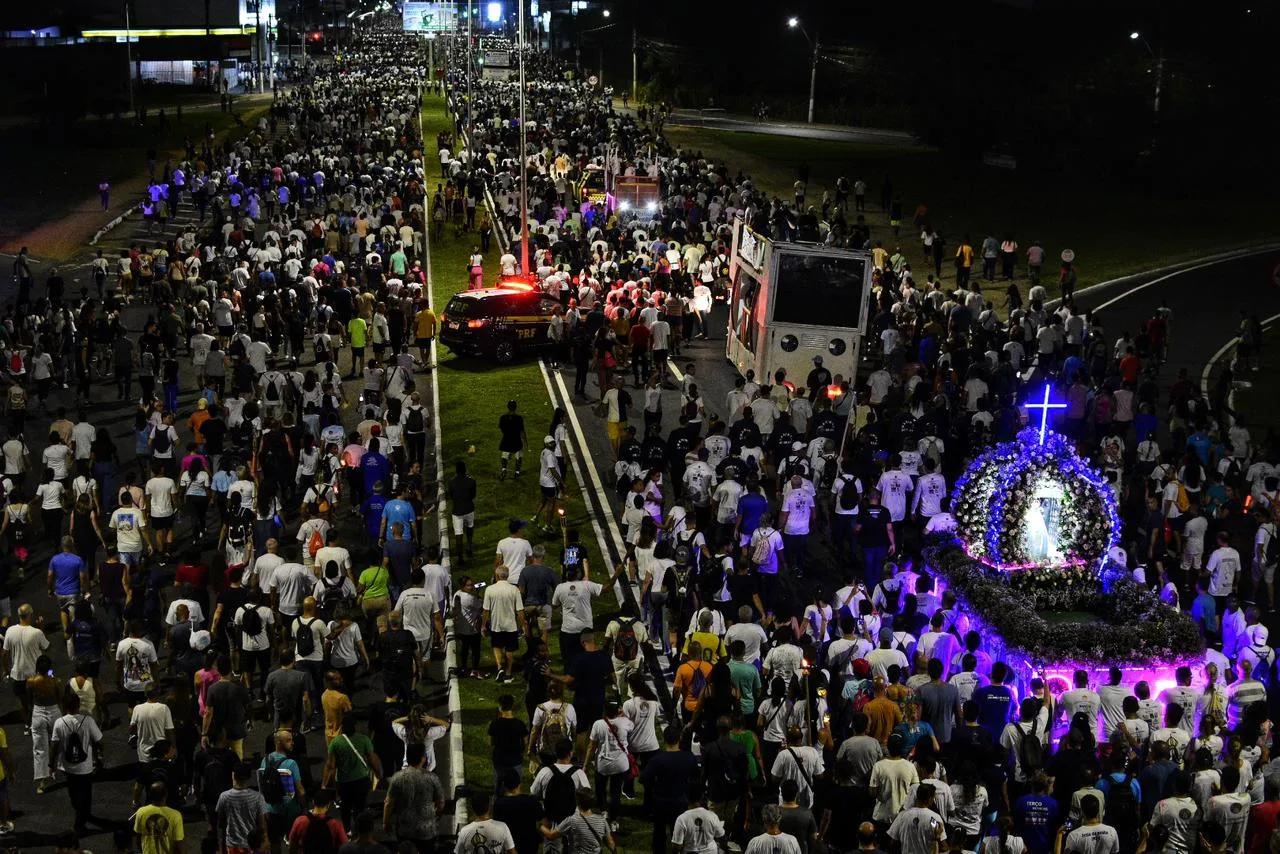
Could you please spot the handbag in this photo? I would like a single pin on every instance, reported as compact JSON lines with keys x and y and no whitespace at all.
{"x":610,"y":360}
{"x":633,"y":767}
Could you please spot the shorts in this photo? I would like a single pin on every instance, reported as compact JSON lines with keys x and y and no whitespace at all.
{"x":508,"y":453}
{"x":550,"y":492}
{"x":422,"y":343}
{"x":357,"y":351}
{"x":225,"y":331}
{"x":162,"y":523}
{"x":130,"y":558}
{"x":134,"y":698}
{"x":467,"y":522}
{"x":1266,"y":573}
{"x":1192,"y":560}
{"x":508,"y":641}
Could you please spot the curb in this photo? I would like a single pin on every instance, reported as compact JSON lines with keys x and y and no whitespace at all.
{"x":98,"y":235}
{"x":457,"y":760}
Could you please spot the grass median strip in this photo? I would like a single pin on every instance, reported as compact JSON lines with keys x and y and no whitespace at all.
{"x":473,"y":395}
{"x":1116,"y":227}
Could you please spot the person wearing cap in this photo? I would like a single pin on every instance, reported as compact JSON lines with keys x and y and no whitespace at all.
{"x":550,"y":482}
{"x":1258,"y":655}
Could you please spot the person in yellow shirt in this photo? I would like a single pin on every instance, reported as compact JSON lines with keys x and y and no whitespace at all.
{"x":425,"y":322}
{"x":711,"y":644}
{"x":964,"y":262}
{"x":357,"y":333}
{"x":157,"y":827}
{"x":335,"y":704}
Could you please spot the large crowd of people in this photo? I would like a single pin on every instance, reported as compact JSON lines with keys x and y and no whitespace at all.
{"x":772,"y":660}
{"x":815,"y":666}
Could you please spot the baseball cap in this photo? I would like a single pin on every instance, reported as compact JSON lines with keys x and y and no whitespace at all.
{"x":548,"y":440}
{"x":861,"y":668}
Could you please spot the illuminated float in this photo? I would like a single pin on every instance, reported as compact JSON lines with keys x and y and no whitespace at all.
{"x":1030,"y":565}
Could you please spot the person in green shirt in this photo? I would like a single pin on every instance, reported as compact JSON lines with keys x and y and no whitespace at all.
{"x":357,"y":331}
{"x":354,"y":765}
{"x":744,"y":676}
{"x":749,"y":743}
{"x":373,"y":588}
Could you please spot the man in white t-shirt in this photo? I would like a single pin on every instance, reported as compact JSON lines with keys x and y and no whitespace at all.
{"x":918,"y":829}
{"x":23,"y":644}
{"x":796,"y":518}
{"x":1224,"y":570}
{"x":421,"y":614}
{"x":573,"y":599}
{"x":161,"y":495}
{"x":1084,"y":699}
{"x":894,"y":486}
{"x":130,"y":525}
{"x":513,"y":551}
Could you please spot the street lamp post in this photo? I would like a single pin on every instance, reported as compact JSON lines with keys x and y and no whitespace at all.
{"x":1155,"y":104}
{"x":523,"y":162}
{"x":794,"y":23}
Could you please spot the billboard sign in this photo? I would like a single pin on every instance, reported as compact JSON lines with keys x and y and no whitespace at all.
{"x":430,"y":17}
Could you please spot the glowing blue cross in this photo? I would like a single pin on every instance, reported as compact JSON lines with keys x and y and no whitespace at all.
{"x":1044,"y":408}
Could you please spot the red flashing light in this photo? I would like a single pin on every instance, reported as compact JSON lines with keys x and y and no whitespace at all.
{"x":834,"y":391}
{"x":515,"y":283}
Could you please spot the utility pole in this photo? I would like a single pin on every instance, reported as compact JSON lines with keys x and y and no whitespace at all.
{"x":813,"y":78}
{"x":471,"y":62}
{"x":634,"y":98}
{"x":257,"y":42}
{"x":524,"y":156}
{"x":128,"y":54}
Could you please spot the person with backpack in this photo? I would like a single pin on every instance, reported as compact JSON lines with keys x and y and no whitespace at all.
{"x":76,"y":747}
{"x":1027,"y":741}
{"x":625,"y":638}
{"x":316,"y":831}
{"x":280,"y":782}
{"x":254,"y":621}
{"x":764,"y":548}
{"x":690,"y":680}
{"x":558,"y":782}
{"x":553,"y":719}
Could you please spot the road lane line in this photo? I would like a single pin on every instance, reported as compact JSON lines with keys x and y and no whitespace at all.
{"x":457,"y":761}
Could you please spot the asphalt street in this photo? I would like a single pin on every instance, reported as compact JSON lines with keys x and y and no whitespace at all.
{"x":38,"y":818}
{"x":718,"y":120}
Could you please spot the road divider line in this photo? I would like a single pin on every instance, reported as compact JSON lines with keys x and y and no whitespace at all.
{"x":581,"y":439}
{"x":609,"y":548}
{"x":457,"y":760}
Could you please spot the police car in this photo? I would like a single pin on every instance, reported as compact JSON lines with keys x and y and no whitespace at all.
{"x":499,"y":323}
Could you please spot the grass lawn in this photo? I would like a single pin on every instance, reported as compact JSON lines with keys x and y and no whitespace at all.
{"x":1115,"y":229}
{"x":1255,"y":399}
{"x":64,"y":173}
{"x":473,"y":395}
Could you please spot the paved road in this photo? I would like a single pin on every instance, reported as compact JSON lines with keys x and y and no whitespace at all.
{"x":717,"y":120}
{"x":39,"y":818}
{"x":1206,"y":301}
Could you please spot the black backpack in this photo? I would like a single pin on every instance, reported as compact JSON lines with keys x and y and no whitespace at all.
{"x":273,"y":389}
{"x":75,"y":752}
{"x":250,"y":621}
{"x":306,"y":638}
{"x":269,"y":783}
{"x":239,"y":530}
{"x":318,"y":838}
{"x":162,"y":442}
{"x":560,"y":798}
{"x":413,"y":421}
{"x":848,"y":494}
{"x":216,"y":774}
{"x":1031,"y":750}
{"x":1123,"y":812}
